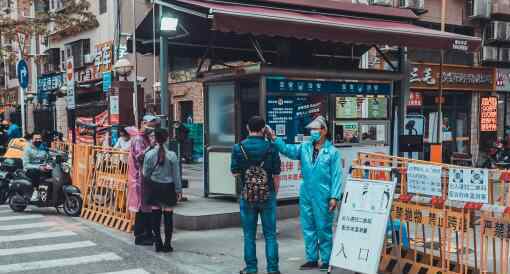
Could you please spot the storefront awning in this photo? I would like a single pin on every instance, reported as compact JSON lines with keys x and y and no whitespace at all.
{"x":268,"y":21}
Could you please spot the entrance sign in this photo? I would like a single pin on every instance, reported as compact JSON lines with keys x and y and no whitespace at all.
{"x":362,"y":223}
{"x":489,"y":113}
{"x":468,"y":185}
{"x":424,"y":179}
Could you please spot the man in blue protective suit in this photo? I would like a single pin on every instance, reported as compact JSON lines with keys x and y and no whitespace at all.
{"x":320,"y":190}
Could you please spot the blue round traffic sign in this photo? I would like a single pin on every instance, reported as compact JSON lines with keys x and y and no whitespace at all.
{"x":22,"y":70}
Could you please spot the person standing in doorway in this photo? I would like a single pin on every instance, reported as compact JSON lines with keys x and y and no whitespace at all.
{"x":139,"y":146}
{"x":319,"y":192}
{"x":162,"y":181}
{"x":258,"y":163}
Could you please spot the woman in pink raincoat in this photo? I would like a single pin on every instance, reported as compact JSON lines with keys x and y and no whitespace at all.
{"x":140,"y":143}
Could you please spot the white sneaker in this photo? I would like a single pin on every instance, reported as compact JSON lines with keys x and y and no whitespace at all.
{"x":35,"y":196}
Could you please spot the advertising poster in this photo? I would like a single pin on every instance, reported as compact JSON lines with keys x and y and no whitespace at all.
{"x":291,"y":178}
{"x":468,"y":185}
{"x":288,"y":116}
{"x":377,"y":108}
{"x":424,"y":179}
{"x":362,"y":223}
{"x":347,"y":108}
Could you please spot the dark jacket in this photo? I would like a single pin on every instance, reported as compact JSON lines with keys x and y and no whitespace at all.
{"x":258,"y":149}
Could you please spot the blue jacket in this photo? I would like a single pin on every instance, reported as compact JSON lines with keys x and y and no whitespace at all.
{"x":257,"y":149}
{"x":13,"y":131}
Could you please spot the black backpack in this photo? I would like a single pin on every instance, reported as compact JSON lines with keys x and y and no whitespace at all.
{"x":255,"y":180}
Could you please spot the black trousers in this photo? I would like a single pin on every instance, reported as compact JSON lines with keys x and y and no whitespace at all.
{"x":37,"y":176}
{"x":143,"y":224}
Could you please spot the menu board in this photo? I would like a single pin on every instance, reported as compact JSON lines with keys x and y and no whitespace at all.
{"x":488,"y":113}
{"x":288,"y":116}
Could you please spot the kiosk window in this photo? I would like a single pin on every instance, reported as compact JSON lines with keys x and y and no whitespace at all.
{"x":347,"y":132}
{"x":221,"y":114}
{"x":361,"y":107}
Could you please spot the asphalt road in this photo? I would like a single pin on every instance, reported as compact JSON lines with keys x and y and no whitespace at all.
{"x":42,"y":241}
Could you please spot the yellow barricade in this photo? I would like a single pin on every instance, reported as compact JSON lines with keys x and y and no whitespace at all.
{"x":433,"y":235}
{"x":105,"y":196}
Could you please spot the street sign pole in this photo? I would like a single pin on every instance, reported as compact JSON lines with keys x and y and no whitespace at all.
{"x":22,"y":70}
{"x":23,"y":111}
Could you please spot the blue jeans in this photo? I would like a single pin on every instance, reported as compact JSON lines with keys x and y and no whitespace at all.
{"x":249,"y":218}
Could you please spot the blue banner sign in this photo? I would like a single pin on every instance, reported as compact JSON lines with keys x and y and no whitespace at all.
{"x":48,"y":83}
{"x":274,"y":85}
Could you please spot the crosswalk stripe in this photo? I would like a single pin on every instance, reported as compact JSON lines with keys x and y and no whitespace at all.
{"x":20,"y":217}
{"x":45,"y":248}
{"x":48,"y":264}
{"x":26,"y":226}
{"x":129,"y":271}
{"x":33,"y":236}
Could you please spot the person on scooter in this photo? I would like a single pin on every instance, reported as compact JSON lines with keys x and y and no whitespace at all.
{"x":35,"y":162}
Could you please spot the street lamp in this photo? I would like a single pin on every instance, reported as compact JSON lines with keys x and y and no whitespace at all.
{"x":169,"y":24}
{"x":123,"y":67}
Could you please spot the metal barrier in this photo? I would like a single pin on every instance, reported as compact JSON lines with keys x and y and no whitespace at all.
{"x":443,"y":234}
{"x":105,"y":196}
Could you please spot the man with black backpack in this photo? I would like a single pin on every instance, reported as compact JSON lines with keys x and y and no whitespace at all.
{"x":256,"y":162}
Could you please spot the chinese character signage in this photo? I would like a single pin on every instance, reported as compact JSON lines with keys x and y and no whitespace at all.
{"x":71,"y":100}
{"x":415,"y":99}
{"x":468,"y":185}
{"x":362,"y":223}
{"x":290,"y":177}
{"x":107,"y":81}
{"x":503,"y":79}
{"x":324,"y":87}
{"x":424,"y":179}
{"x":488,"y":113}
{"x":114,"y":109}
{"x":426,"y":76}
{"x":104,"y":57}
{"x":48,"y":83}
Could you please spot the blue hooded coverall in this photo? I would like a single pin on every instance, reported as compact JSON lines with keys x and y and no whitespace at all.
{"x":322,"y":181}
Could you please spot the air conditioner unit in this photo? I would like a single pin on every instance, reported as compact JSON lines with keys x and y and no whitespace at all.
{"x":504,"y":55}
{"x":88,"y":59}
{"x":478,"y":8}
{"x":412,"y":4}
{"x":387,"y":3}
{"x":489,"y":54}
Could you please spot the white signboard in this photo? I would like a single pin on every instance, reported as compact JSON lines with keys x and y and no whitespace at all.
{"x":362,"y":223}
{"x":424,"y":179}
{"x":71,"y":100}
{"x":291,"y":178}
{"x":468,"y":185}
{"x":114,"y":105}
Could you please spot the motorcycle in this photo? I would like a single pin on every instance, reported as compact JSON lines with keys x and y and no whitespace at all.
{"x":55,"y":191}
{"x":8,"y":168}
{"x":498,"y":156}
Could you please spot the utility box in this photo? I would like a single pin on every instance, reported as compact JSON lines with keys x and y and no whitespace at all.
{"x":121,"y":103}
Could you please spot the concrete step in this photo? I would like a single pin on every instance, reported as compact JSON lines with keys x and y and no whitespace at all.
{"x":214,"y":213}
